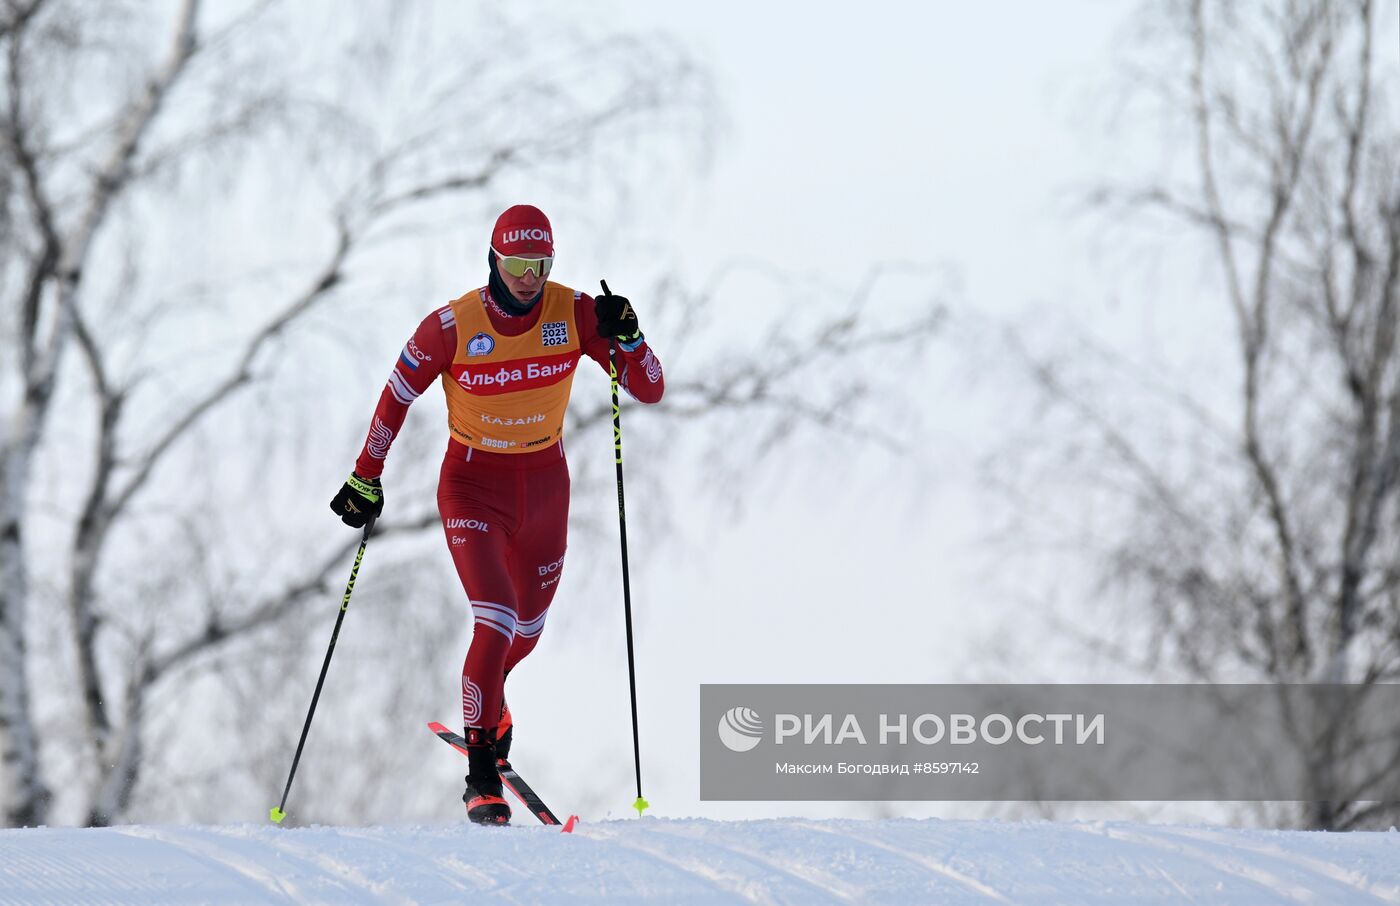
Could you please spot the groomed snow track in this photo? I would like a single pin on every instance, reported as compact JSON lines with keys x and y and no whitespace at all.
{"x":692,"y":861}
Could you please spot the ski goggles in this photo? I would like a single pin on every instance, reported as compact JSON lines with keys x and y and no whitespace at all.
{"x":517,"y":266}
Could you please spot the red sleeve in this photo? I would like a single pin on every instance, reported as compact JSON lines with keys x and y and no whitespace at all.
{"x":639,"y":371}
{"x":426,"y":355}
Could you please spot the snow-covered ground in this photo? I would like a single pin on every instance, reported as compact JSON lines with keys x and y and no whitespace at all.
{"x":692,"y":861}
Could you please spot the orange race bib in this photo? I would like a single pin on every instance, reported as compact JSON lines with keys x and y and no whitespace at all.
{"x":508,"y":394}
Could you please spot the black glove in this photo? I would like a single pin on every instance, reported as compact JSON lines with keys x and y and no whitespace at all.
{"x":616,"y":319}
{"x":358,"y":500}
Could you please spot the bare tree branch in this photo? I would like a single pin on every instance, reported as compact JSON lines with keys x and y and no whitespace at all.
{"x":1122,"y":446}
{"x":72,"y":194}
{"x":1206,"y":164}
{"x":134,"y":124}
{"x":457,"y":182}
{"x":91,"y":530}
{"x":17,"y":14}
{"x":1279,"y":558}
{"x":1356,"y":124}
{"x":331,"y":273}
{"x":25,"y":795}
{"x":45,"y":263}
{"x":218,"y":631}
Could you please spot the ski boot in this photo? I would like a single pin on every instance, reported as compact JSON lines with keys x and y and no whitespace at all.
{"x":485,"y":804}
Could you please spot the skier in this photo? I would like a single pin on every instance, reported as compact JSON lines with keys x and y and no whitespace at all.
{"x":506,"y":353}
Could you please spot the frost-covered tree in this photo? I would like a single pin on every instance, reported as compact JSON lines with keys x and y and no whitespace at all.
{"x":192,"y":198}
{"x":1260,"y":506}
{"x":114,"y":115}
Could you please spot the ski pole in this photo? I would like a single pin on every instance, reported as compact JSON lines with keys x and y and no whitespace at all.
{"x":276,"y":813}
{"x":641,"y":804}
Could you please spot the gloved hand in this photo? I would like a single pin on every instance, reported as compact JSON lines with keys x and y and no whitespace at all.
{"x":616,"y":319}
{"x":358,"y":500}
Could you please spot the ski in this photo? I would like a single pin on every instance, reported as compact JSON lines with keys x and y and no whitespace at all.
{"x":511,"y":780}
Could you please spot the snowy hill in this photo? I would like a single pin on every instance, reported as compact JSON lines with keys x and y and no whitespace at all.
{"x":683,"y":861}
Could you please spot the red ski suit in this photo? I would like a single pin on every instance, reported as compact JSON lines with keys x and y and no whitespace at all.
{"x":503,"y":492}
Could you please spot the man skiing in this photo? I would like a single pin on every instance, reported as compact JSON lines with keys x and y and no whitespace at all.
{"x":506,"y":354}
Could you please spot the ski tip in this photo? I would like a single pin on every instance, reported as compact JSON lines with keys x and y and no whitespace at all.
{"x":570,"y":824}
{"x":641,"y":805}
{"x":276,"y":814}
{"x":436,"y":727}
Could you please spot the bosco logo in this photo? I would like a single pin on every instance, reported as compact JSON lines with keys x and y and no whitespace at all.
{"x":412,"y":355}
{"x":740,"y":729}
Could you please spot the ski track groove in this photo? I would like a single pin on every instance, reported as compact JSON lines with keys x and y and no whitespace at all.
{"x":260,"y":880}
{"x":332,"y":868}
{"x":919,"y":859}
{"x":63,"y":874}
{"x":1385,"y":893}
{"x":451,"y":869}
{"x":1165,"y":875}
{"x":713,"y":880}
{"x":835,"y":887}
{"x":750,"y":856}
{"x":729,"y":884}
{"x":1260,"y":880}
{"x":1277,"y":886}
{"x":333,"y":873}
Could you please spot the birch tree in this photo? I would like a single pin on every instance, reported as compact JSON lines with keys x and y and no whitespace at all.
{"x":120,"y":123}
{"x":1261,"y":526}
{"x":82,"y":156}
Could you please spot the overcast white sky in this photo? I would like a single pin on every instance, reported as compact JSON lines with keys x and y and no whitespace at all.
{"x":938,"y":132}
